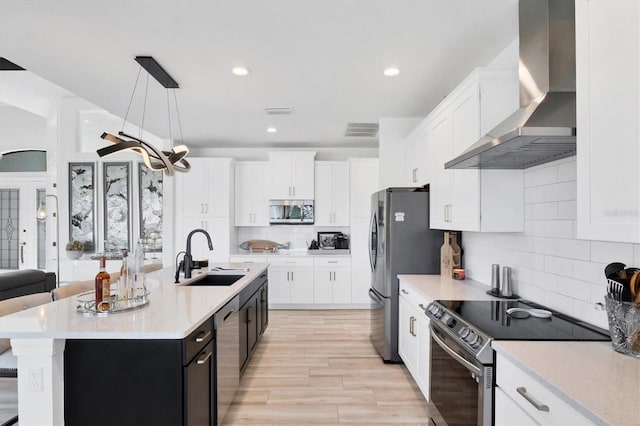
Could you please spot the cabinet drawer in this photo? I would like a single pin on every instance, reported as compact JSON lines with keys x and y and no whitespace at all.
{"x":534,"y":398}
{"x":330,"y":260}
{"x":414,"y":297}
{"x":197,"y":340}
{"x":289,"y":261}
{"x":248,"y":259}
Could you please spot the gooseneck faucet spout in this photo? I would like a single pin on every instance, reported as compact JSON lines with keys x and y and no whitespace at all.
{"x":188,"y":259}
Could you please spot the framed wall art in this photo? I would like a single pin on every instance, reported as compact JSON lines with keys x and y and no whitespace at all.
{"x":327,"y":240}
{"x":82,"y":204}
{"x":117,"y":202}
{"x":150,"y":193}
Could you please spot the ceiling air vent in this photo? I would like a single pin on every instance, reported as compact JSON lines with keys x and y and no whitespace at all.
{"x":278,"y":110}
{"x":362,"y":129}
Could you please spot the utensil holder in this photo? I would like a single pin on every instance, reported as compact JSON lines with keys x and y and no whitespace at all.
{"x":624,"y":326}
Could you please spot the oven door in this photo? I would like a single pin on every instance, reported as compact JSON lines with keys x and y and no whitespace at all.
{"x":461,"y":387}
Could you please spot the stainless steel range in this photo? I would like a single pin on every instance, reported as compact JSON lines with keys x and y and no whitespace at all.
{"x":463,"y":361}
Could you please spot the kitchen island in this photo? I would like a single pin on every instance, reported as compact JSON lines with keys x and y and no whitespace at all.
{"x":38,"y":335}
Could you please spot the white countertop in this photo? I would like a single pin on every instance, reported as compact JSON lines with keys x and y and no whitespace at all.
{"x":174,"y":311}
{"x":320,"y":252}
{"x":436,"y":287}
{"x":590,"y":376}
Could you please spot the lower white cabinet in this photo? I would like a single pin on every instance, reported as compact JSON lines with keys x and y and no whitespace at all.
{"x":290,"y":280}
{"x":509,"y":413}
{"x":533,"y":400}
{"x":332,"y":280}
{"x":414,"y":337}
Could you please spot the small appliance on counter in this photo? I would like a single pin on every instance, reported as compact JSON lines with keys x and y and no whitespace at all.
{"x":342,"y":241}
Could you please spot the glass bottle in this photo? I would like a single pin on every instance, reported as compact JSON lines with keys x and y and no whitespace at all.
{"x":139,"y":287}
{"x":125,"y":284}
{"x":102,"y":287}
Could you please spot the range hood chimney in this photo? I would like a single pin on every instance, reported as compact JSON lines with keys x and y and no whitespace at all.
{"x":543,"y":129}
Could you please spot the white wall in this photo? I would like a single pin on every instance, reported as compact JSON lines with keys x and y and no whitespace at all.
{"x":550,"y":266}
{"x":20,"y":129}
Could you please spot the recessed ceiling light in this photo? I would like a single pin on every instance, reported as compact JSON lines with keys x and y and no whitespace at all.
{"x":240,"y":71}
{"x":271,"y":130}
{"x":392,"y":72}
{"x":86,"y":121}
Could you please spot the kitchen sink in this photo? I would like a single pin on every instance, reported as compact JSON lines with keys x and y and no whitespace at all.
{"x":216,"y":279}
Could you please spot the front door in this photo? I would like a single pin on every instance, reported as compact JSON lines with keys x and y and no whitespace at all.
{"x":22,"y":236}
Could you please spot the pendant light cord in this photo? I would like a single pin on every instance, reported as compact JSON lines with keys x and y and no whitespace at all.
{"x":135,"y":86}
{"x":175,"y":98}
{"x":144,"y":106}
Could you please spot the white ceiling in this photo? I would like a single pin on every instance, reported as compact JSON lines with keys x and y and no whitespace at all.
{"x":324,"y":58}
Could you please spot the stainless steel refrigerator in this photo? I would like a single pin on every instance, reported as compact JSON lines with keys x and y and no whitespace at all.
{"x":400,"y":242}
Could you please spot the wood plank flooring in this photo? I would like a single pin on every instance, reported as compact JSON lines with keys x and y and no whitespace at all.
{"x":312,"y":367}
{"x":318,"y":367}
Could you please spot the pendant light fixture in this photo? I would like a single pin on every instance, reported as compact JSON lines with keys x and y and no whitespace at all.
{"x":155,"y":159}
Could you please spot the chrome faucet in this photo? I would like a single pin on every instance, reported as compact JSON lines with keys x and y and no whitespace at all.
{"x":188,"y":260}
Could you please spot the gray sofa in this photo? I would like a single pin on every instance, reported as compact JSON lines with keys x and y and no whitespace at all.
{"x":27,"y":281}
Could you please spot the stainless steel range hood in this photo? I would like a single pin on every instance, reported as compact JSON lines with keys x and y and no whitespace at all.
{"x":543,"y":129}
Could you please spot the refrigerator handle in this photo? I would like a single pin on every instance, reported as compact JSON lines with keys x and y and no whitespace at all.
{"x":373,"y":296}
{"x":373,"y":248}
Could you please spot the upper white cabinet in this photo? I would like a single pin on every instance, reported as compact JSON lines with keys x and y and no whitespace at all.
{"x":416,"y":157}
{"x":608,"y":108}
{"x":204,"y":199}
{"x":292,"y":175}
{"x":332,"y":193}
{"x":206,"y":190}
{"x":472,"y":200}
{"x":363,"y":182}
{"x":252,"y":195}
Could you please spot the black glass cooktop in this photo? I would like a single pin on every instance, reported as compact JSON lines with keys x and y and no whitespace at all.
{"x":491,"y":317}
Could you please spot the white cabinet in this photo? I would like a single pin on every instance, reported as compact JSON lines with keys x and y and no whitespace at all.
{"x":472,"y":200}
{"x":251,"y":193}
{"x":416,"y":165}
{"x":331,"y":193}
{"x":508,"y":413}
{"x":414,"y":337}
{"x":332,"y":280}
{"x":219,"y":228}
{"x":608,"y":107}
{"x":290,"y":280}
{"x":206,"y":190}
{"x":532,"y":397}
{"x":204,"y":199}
{"x":292,"y":175}
{"x":363,"y":182}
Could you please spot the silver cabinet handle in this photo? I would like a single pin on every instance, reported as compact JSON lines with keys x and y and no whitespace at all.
{"x":450,"y":212}
{"x":22,"y":253}
{"x":288,"y":275}
{"x":206,"y":208}
{"x":329,"y":275}
{"x":294,"y":191}
{"x":204,"y":357}
{"x":291,"y":275}
{"x":422,"y":307}
{"x":411,"y":319}
{"x":202,"y":336}
{"x":332,"y":261}
{"x":531,"y":400}
{"x":404,"y":291}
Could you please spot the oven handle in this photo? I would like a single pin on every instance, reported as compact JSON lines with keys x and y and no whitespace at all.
{"x":475,"y":370}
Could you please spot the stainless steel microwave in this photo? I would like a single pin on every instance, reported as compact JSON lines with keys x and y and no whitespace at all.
{"x":291,"y":212}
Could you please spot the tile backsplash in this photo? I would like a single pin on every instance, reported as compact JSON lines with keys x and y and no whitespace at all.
{"x":297,"y":235}
{"x":549,"y":265}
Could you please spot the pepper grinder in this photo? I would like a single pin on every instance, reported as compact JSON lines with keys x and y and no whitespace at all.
{"x":495,"y":278}
{"x":506,"y":281}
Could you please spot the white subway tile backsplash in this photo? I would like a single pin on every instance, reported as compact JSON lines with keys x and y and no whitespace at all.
{"x":560,"y":191}
{"x":567,"y":172}
{"x":550,"y":266}
{"x":607,"y":252}
{"x":588,"y":271}
{"x":559,"y":302}
{"x":544,"y":211}
{"x":567,"y":209}
{"x":534,"y":195}
{"x":576,"y":289}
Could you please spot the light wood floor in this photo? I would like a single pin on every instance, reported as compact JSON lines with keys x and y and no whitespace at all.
{"x":318,"y":367}
{"x":311,"y":367}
